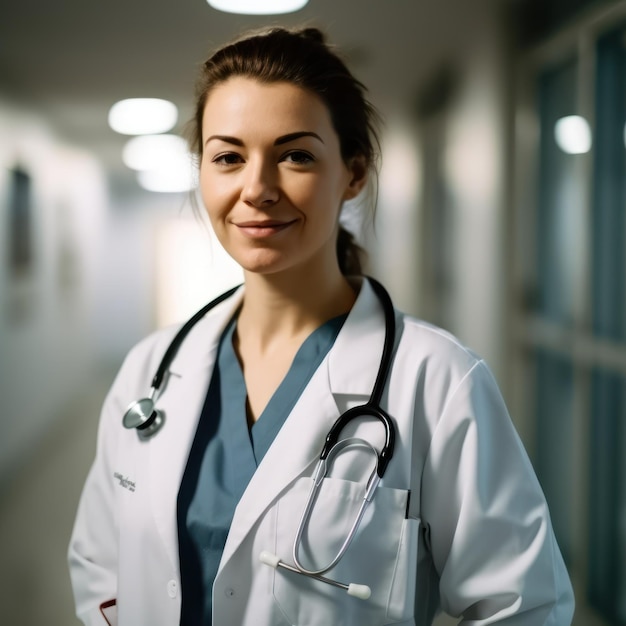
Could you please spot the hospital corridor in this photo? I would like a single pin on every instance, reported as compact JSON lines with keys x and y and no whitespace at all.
{"x":500,"y":217}
{"x":36,"y":515}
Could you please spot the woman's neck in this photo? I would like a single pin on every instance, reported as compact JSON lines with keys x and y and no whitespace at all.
{"x":288,"y":307}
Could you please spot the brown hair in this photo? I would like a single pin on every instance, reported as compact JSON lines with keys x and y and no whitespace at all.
{"x":303,"y":58}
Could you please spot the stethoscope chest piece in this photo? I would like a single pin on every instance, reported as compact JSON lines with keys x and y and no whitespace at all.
{"x":142,"y":415}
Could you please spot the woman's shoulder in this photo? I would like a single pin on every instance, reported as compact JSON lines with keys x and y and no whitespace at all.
{"x":439,"y":367}
{"x":141,"y":362}
{"x":153,"y":346}
{"x":431,"y":343}
{"x":201,"y":329}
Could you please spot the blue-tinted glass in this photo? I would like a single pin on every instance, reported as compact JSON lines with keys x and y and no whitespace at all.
{"x":607,"y":540}
{"x":560,"y":219}
{"x":609,"y":207}
{"x":555,"y":394}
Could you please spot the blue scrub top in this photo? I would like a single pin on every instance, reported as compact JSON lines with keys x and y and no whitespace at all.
{"x":224,"y":455}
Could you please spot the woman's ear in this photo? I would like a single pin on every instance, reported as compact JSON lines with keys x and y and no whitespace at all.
{"x":357,"y":166}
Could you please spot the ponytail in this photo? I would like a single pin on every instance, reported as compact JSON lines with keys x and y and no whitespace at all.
{"x":350,"y":254}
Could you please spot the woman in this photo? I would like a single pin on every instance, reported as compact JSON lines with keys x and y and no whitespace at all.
{"x":171,"y":527}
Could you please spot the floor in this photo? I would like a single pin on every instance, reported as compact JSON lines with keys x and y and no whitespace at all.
{"x":36,"y":516}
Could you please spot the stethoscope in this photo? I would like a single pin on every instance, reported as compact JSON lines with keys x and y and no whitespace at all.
{"x":142,"y":414}
{"x":148,"y":420}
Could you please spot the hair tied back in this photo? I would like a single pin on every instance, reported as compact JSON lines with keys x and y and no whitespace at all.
{"x":314,"y":34}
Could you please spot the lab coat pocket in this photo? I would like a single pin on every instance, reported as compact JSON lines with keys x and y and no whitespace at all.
{"x":373,"y":557}
{"x":402,"y":596}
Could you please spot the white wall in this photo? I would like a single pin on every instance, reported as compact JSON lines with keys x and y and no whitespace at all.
{"x":470,"y":138}
{"x":125,"y":310}
{"x":46,"y":315}
{"x":394,"y":244}
{"x":475,"y":169}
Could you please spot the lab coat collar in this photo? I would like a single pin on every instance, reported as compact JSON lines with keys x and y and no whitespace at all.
{"x":355,"y":357}
{"x":198,"y":349}
{"x":350,"y":369}
{"x":347,"y":373}
{"x":181,"y":400}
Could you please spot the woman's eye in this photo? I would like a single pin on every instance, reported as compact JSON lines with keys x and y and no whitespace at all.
{"x":228,"y":158}
{"x":299,"y":157}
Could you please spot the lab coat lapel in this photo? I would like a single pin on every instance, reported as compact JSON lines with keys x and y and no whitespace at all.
{"x":350,"y":370}
{"x":182,"y":401}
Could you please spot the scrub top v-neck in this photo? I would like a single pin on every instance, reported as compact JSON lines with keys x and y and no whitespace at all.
{"x":225,"y":454}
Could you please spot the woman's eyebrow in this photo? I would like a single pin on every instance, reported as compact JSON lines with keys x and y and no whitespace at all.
{"x":226,"y":139}
{"x":293,"y":136}
{"x":235,"y":141}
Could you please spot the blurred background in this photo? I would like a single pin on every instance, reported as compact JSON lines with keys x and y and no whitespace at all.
{"x":501,"y":217}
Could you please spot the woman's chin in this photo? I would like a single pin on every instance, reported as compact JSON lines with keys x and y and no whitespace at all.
{"x":264,"y":262}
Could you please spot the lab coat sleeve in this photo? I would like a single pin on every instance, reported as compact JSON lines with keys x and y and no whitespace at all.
{"x":489,"y":529}
{"x":93,"y":547}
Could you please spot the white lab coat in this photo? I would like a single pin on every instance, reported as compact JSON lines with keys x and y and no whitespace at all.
{"x":475,"y":538}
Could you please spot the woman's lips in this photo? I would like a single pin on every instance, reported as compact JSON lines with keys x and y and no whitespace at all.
{"x":259,"y":230}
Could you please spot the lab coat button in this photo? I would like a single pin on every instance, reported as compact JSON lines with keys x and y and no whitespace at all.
{"x":229,"y":592}
{"x":172,"y":588}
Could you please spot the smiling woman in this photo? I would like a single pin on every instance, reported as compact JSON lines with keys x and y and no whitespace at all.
{"x":274,"y":184}
{"x":280,"y":60}
{"x":422,"y":497}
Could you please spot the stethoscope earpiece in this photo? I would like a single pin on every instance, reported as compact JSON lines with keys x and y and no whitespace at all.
{"x":144,"y":417}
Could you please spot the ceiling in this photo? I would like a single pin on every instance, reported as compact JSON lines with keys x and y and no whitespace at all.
{"x":70,"y":60}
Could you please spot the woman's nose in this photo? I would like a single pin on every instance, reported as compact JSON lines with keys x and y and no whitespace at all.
{"x":260,"y":186}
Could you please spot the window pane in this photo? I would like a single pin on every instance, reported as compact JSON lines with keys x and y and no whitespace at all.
{"x":560,"y":219}
{"x":607,"y":522}
{"x":609,"y":224}
{"x":555,"y":392}
{"x":607,"y":504}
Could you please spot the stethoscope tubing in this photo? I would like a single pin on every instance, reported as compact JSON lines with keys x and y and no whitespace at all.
{"x":142,"y":414}
{"x":317,"y":478}
{"x":147,"y":420}
{"x":172,"y":349}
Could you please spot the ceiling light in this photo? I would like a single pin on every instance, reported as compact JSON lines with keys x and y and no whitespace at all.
{"x":172,"y":180}
{"x":152,"y":152}
{"x":143,"y":116}
{"x":573,"y":135}
{"x":258,"y":7}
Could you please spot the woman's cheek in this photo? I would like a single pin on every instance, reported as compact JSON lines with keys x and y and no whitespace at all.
{"x":217,"y":200}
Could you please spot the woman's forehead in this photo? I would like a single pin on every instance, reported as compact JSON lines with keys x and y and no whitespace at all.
{"x":241,"y":103}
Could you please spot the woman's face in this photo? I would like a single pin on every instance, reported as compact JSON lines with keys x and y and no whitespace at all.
{"x":271,"y":176}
